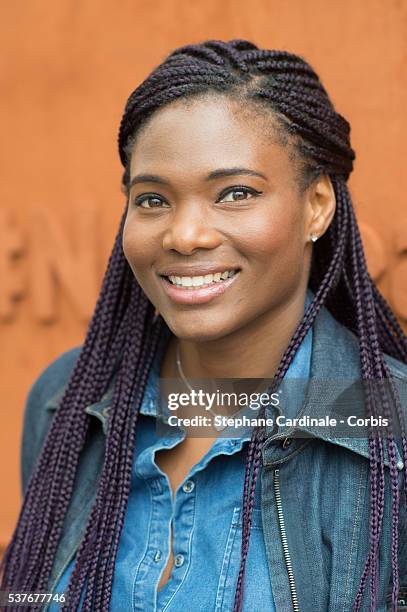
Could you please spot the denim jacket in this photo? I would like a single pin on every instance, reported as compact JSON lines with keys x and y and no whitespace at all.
{"x":315,"y":490}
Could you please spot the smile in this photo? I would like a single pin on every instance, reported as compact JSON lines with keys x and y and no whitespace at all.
{"x":201,"y":281}
{"x":198,"y":289}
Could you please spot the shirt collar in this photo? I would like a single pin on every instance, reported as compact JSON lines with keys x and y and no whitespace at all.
{"x":335,"y":357}
{"x":328,"y":348}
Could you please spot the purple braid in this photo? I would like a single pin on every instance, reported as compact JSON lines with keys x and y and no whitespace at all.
{"x":375,"y":503}
{"x":383,"y":378}
{"x":123,"y":336}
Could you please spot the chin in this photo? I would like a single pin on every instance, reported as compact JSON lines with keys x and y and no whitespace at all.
{"x":201,"y":329}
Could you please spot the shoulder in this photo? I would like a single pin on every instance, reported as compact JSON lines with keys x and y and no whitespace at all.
{"x":53,"y":377}
{"x":44,"y":392}
{"x":337,"y":349}
{"x":336,"y":355}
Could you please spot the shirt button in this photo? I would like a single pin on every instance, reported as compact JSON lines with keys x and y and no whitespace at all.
{"x":157,"y":556}
{"x":179,"y":560}
{"x":188,"y":486}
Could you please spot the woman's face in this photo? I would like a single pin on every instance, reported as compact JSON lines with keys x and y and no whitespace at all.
{"x":214,"y":190}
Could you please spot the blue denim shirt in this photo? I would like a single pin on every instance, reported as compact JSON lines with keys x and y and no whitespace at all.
{"x":206,"y":518}
{"x":314,"y":502}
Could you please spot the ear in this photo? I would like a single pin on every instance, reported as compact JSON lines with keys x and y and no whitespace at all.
{"x":321,"y":206}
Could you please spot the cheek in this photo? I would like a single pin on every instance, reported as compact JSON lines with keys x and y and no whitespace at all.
{"x":275,"y":237}
{"x":137,"y":246}
{"x":138,"y":250}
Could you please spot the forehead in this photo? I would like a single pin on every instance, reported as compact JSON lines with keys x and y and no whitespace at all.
{"x":206,"y":132}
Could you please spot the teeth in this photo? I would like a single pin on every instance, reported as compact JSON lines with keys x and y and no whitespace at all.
{"x":200,"y":281}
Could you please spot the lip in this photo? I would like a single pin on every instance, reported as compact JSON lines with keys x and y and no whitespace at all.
{"x":195,"y":270}
{"x":197,"y":295}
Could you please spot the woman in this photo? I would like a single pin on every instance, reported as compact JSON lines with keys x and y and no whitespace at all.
{"x":235,"y":165}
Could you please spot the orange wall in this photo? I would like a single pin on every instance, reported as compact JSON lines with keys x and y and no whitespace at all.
{"x":66,"y":70}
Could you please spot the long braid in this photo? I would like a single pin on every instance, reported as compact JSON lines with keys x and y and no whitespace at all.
{"x":122,"y":338}
{"x":367,"y":373}
{"x":381,"y":376}
{"x":54,"y":439}
{"x":105,"y":493}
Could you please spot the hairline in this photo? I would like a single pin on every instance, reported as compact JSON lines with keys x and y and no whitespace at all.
{"x":306,"y":175}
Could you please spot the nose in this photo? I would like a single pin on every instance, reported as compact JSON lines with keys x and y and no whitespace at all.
{"x":189,"y":229}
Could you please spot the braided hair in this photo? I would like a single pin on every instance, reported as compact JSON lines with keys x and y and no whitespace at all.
{"x":124,"y":324}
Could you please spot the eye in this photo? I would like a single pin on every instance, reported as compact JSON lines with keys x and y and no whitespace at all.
{"x":241,"y":192}
{"x":152,"y":198}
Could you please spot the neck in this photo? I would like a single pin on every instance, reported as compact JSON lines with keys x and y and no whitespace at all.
{"x":261,"y":345}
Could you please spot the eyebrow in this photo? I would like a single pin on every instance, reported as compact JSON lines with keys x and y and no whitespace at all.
{"x":221,"y":172}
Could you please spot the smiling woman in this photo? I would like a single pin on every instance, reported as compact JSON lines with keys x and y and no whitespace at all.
{"x":238,"y":257}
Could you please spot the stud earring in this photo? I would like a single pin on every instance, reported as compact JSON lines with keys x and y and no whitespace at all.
{"x":313,"y":237}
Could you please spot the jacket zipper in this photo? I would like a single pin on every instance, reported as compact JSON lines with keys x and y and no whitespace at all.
{"x":283,"y":533}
